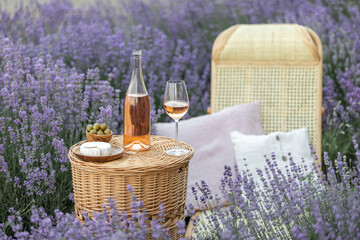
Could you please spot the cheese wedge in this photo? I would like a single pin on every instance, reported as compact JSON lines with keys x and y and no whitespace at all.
{"x":95,"y":148}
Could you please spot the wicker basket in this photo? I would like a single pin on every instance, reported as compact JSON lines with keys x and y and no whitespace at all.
{"x":155,"y":176}
{"x":279,"y":65}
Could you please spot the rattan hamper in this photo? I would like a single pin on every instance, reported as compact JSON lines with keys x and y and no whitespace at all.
{"x":279,"y":65}
{"x":155,"y":176}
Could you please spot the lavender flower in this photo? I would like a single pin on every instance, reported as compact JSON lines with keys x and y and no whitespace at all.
{"x":286,"y":205}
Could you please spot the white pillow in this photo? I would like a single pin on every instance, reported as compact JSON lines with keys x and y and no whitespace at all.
{"x":253,"y":148}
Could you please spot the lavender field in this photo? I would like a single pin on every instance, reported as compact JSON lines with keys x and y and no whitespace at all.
{"x":61,"y":67}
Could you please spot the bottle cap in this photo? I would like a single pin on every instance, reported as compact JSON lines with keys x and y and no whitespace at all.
{"x":136,"y":53}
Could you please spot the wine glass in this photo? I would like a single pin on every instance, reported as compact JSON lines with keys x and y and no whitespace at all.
{"x":176,"y":105}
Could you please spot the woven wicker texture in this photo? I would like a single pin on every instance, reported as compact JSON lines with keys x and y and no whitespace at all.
{"x":279,"y":65}
{"x":155,"y":176}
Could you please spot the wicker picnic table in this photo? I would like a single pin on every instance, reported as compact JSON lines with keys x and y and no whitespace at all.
{"x":155,"y":176}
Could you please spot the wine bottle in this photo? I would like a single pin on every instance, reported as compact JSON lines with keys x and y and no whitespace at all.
{"x":137,"y":109}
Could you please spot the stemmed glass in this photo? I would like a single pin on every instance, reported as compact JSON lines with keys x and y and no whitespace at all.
{"x":176,"y":105}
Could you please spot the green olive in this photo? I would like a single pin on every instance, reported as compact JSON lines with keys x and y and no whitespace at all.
{"x":93,"y":131}
{"x":96,"y":126}
{"x":100,"y":132}
{"x":89,"y":128}
{"x":107,"y":131}
{"x":103,"y":127}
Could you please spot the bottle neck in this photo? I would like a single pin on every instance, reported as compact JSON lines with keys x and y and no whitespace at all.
{"x":136,"y":63}
{"x":136,"y":68}
{"x":137,"y":85}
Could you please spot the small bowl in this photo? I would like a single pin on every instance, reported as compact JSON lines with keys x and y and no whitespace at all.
{"x":98,"y":138}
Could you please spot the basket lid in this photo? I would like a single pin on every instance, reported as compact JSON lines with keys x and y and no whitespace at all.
{"x":267,"y":43}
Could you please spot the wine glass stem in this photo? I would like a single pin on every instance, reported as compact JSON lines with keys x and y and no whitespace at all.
{"x":176,"y":134}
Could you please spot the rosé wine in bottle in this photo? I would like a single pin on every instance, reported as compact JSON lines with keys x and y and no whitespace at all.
{"x":137,"y":109}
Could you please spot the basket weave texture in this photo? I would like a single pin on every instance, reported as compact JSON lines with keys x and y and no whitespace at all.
{"x":155,"y":176}
{"x":279,"y":65}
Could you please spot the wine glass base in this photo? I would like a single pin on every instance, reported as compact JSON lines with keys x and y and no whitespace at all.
{"x":177,"y":152}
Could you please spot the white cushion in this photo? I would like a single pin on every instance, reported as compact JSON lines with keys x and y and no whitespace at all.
{"x":254,"y":148}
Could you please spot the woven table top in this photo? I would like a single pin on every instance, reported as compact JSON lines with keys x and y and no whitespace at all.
{"x":153,"y":159}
